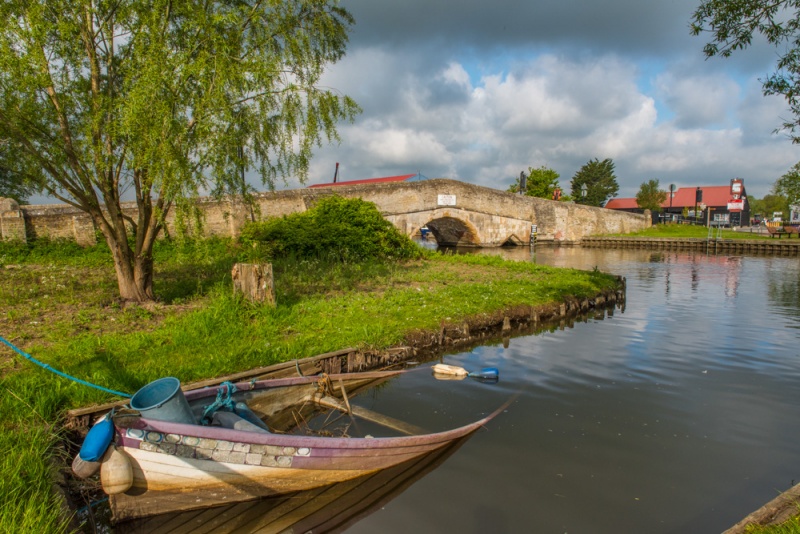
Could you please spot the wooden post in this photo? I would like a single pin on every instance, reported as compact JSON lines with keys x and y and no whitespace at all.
{"x":254,"y":281}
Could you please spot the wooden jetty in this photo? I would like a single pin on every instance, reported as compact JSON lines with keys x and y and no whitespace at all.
{"x":777,"y":247}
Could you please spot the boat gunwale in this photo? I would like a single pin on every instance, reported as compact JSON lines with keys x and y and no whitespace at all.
{"x":287,"y":440}
{"x":249,"y":385}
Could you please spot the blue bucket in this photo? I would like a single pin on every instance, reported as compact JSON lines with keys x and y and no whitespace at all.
{"x":163,"y":400}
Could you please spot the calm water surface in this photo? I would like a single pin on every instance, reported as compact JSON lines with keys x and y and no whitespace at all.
{"x":679,"y":414}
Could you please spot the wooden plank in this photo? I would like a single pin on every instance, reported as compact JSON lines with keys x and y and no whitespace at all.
{"x":244,"y":375}
{"x":374,"y":417}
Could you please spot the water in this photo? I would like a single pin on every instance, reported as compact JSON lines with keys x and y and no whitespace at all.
{"x":679,"y":414}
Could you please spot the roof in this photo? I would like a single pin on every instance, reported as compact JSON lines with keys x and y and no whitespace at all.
{"x":622,"y":204}
{"x":713,"y":195}
{"x":400,"y":178}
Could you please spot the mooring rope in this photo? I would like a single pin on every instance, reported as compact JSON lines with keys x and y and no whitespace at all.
{"x":59,"y":373}
{"x":224,"y":401}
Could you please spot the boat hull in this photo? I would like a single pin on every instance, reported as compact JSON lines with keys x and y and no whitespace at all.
{"x":184,"y":467}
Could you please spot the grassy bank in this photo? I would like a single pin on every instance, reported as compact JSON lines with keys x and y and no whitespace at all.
{"x":59,"y":304}
{"x":687,"y":231}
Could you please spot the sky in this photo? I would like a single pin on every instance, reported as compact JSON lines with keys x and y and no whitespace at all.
{"x":478,"y":91}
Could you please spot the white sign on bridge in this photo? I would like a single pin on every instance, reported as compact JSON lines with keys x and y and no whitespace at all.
{"x":447,"y":200}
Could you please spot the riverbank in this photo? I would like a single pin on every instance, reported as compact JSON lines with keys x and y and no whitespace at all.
{"x":58,"y":306}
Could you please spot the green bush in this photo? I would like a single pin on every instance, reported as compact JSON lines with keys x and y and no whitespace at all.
{"x":337,"y":228}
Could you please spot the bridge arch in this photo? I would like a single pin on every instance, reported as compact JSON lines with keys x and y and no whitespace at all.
{"x":452,"y":231}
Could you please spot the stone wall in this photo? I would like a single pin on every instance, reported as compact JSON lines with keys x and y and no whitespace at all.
{"x":490,"y":216}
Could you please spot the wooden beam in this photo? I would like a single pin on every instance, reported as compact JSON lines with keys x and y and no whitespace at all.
{"x":369,"y":415}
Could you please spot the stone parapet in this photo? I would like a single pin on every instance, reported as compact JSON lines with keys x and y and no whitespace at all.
{"x":461,"y":213}
{"x":12,"y":221}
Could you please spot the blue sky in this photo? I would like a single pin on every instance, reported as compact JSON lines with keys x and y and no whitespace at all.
{"x":478,"y":91}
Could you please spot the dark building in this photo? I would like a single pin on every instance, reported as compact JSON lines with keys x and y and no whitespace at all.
{"x":725,"y":205}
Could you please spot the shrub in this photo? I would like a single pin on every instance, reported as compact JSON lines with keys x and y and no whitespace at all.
{"x":337,"y":228}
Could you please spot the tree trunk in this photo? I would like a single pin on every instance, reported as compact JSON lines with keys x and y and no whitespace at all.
{"x":134,"y":274}
{"x":254,"y":282}
{"x":135,"y":279}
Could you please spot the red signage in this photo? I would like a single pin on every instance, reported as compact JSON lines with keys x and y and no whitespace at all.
{"x":735,"y":204}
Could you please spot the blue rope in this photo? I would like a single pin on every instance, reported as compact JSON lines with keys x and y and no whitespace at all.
{"x":59,"y":373}
{"x":224,"y":401}
{"x":92,"y":505}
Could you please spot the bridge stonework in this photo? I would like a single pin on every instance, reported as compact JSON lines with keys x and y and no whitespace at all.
{"x":456,"y":213}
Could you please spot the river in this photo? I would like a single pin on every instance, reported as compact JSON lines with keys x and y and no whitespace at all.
{"x":678,"y":414}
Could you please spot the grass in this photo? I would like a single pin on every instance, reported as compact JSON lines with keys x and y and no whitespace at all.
{"x":791,"y":526}
{"x":687,"y":231}
{"x":59,"y":304}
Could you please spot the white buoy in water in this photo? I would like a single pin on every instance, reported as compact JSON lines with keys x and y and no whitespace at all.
{"x":116,"y":472}
{"x":451,"y":370}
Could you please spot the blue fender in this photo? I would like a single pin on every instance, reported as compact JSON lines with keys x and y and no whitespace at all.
{"x":97,"y":440}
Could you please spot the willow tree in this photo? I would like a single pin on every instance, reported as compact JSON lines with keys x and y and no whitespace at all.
{"x":732,"y":24}
{"x":157,"y":101}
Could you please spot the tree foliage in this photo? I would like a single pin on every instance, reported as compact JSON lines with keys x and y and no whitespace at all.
{"x":540,"y":183}
{"x":788,"y":185}
{"x":651,"y":196}
{"x":601,"y":183}
{"x":732,"y":25}
{"x":12,"y":185}
{"x":336,"y":229}
{"x":160,"y":101}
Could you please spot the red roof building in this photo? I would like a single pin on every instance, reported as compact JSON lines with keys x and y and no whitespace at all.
{"x":714,"y":197}
{"x":387,"y":179}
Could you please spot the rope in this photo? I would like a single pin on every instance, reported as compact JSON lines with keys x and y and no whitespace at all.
{"x":59,"y":373}
{"x":91,"y":505}
{"x":224,"y":401}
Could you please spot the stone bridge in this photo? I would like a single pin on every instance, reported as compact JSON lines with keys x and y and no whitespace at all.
{"x":457,"y":213}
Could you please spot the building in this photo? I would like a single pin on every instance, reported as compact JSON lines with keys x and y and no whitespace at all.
{"x":721,"y":204}
{"x":387,"y":179}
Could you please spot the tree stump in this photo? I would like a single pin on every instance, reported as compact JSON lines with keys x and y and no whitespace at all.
{"x":254,"y":281}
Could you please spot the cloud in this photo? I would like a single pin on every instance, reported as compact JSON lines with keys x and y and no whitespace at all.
{"x":702,"y":100}
{"x":481,"y":91}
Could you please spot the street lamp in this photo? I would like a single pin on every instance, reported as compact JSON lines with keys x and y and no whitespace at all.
{"x":584,"y":190}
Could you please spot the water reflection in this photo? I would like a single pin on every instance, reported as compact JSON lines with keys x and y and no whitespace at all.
{"x":679,"y":414}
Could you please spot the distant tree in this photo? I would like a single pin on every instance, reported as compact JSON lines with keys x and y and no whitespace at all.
{"x":161,"y":101}
{"x":650,"y":196}
{"x":732,"y":25}
{"x":769,"y":205}
{"x":540,"y":183}
{"x":788,"y":185}
{"x":601,"y":183}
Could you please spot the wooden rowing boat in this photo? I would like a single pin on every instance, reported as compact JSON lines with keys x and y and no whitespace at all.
{"x":178,"y":466}
{"x":328,"y":509}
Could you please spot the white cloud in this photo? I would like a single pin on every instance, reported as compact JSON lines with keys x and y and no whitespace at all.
{"x":699,"y":100}
{"x":482,"y":99}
